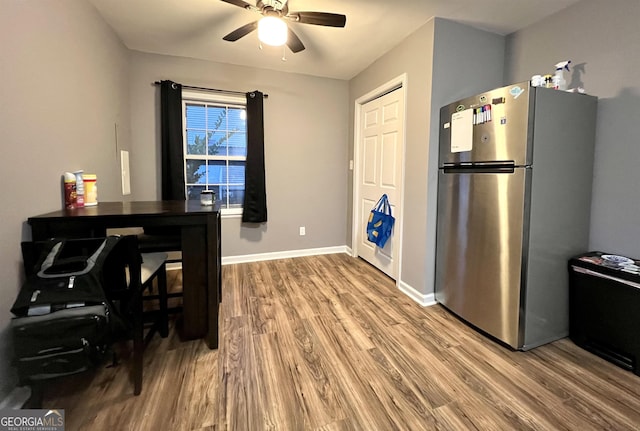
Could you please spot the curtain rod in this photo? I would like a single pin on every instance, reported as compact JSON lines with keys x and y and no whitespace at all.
{"x":266,"y":96}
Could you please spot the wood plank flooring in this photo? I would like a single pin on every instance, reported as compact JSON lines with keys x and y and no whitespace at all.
{"x":328,"y":343}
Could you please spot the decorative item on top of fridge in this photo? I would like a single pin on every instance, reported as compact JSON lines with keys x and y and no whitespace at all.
{"x":556,"y":81}
{"x":80,"y":189}
{"x":559,"y":83}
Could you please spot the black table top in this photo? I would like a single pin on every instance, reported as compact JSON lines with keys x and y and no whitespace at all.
{"x":134,"y":208}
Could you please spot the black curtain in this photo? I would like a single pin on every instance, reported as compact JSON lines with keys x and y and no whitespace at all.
{"x":171,"y":132}
{"x":255,"y":195}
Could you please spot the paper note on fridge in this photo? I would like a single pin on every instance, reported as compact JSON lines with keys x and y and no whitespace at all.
{"x":462,"y":131}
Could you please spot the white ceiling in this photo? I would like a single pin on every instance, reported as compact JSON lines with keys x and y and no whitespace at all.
{"x":194,"y":28}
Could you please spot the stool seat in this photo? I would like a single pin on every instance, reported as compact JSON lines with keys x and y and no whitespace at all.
{"x":151,"y":263}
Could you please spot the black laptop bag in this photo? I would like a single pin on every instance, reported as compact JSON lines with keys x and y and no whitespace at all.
{"x":65,"y":320}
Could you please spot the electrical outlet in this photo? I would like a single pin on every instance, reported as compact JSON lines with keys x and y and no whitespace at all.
{"x":302,"y":231}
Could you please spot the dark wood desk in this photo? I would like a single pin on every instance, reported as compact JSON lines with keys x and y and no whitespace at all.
{"x":200,"y":232}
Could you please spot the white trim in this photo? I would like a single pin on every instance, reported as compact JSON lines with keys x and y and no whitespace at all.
{"x":229,"y":260}
{"x":401,"y":82}
{"x":234,"y":212}
{"x":215,"y":157}
{"x":208,"y":96}
{"x":422,"y":299}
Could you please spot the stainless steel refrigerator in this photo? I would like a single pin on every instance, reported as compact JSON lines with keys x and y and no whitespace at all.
{"x":514,"y":197}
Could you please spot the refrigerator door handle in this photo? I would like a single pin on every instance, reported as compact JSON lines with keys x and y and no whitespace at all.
{"x":507,"y":167}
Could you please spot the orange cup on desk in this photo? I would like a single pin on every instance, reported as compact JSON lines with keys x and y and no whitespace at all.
{"x":90,"y":190}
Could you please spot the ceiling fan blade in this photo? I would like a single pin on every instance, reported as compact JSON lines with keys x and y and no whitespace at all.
{"x":241,"y":32}
{"x":293,"y":42}
{"x":240,"y":3}
{"x":319,"y":18}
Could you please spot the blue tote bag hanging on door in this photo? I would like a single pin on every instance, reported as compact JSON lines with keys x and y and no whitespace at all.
{"x":380,"y":222}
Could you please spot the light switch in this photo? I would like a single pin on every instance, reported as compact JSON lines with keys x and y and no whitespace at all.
{"x":124,"y":168}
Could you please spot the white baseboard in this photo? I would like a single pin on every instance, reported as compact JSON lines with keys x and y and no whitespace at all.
{"x":420,"y":298}
{"x":229,"y":260}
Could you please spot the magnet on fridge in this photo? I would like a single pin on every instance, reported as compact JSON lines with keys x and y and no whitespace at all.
{"x":516,"y":91}
{"x":503,"y":120}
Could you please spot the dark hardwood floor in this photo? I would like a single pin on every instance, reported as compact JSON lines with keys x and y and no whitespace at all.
{"x":328,"y":343}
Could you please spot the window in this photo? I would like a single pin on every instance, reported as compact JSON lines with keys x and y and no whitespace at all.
{"x":215,"y":147}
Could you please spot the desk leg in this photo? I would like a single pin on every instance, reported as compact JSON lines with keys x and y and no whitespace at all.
{"x":194,"y":281}
{"x":214,"y":279}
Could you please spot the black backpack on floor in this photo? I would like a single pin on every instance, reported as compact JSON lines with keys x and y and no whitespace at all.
{"x":65,"y":320}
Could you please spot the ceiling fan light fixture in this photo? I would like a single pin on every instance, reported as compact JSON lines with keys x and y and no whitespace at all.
{"x":272,"y":31}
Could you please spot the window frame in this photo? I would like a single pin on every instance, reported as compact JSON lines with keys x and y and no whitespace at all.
{"x":196,"y":96}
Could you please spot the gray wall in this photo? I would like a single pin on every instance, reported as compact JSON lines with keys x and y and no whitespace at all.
{"x":64,"y":88}
{"x":466,"y":61}
{"x":602,"y":40}
{"x":414,"y":57}
{"x":305,"y":149}
{"x":444,"y":61}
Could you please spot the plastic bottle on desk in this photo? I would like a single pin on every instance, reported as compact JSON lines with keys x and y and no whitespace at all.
{"x":69,"y":190}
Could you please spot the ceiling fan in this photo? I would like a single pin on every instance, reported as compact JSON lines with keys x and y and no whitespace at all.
{"x":280,"y":10}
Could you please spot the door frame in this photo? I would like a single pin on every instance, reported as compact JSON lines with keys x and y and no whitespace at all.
{"x":397,"y":83}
